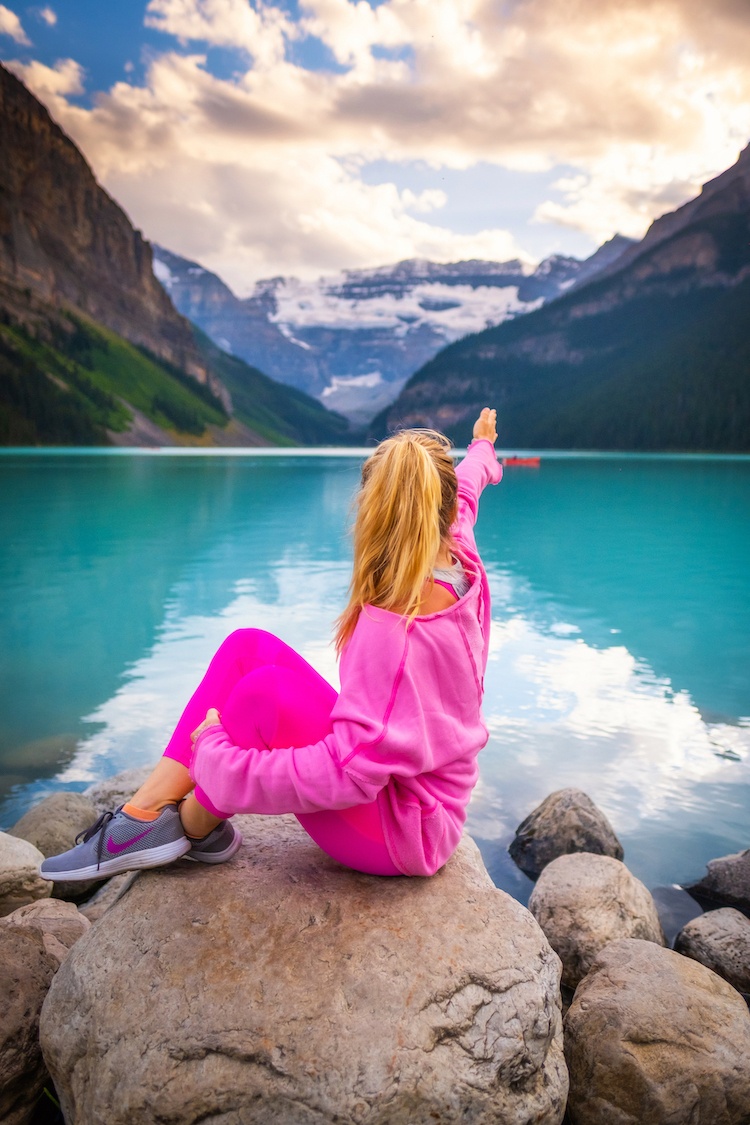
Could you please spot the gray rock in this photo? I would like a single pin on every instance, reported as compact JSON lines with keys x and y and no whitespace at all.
{"x":107,"y":895}
{"x":59,"y":923}
{"x":567,"y":821}
{"x":720,"y":940}
{"x":584,"y":901}
{"x":52,"y":826}
{"x":726,"y":883}
{"x":26,"y":969}
{"x":652,"y":1037}
{"x":115,"y":791}
{"x":283,"y":989}
{"x":19,"y":881}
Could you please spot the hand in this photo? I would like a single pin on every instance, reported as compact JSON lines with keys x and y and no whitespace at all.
{"x":212,"y":719}
{"x":485,"y":425}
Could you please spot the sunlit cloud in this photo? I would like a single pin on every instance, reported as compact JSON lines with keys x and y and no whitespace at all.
{"x":48,"y":16}
{"x":262,"y":32}
{"x":262,"y":172}
{"x":51,"y":84}
{"x":10,"y":25}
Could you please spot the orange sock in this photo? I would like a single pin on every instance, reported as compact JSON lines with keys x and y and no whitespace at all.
{"x":140,"y":814}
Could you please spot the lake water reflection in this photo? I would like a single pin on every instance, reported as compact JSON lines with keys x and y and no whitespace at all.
{"x":620,"y":647}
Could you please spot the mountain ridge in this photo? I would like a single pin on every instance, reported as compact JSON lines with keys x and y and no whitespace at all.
{"x":353,"y":339}
{"x":92,"y":350}
{"x":733,"y":180}
{"x":613,"y":363}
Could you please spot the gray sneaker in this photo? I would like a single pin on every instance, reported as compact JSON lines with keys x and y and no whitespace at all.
{"x":218,"y":846}
{"x":118,"y":842}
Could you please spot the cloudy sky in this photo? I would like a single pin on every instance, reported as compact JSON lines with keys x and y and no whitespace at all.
{"x":305,"y":136}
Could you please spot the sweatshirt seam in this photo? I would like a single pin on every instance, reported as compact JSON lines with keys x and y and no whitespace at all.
{"x":465,"y":640}
{"x":389,"y":708}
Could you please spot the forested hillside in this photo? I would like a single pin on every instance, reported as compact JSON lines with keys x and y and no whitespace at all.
{"x":656,"y":355}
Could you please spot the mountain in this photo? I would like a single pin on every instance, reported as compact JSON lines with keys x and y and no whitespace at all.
{"x":652,"y":352}
{"x":65,"y":238}
{"x":92,"y":349}
{"x":353,"y":339}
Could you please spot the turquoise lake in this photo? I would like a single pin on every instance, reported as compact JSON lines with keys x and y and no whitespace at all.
{"x":620,"y":654}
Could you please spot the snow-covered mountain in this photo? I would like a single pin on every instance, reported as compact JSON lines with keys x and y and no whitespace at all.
{"x":353,"y":339}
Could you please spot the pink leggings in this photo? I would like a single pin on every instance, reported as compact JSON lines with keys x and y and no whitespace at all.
{"x":268,"y":696}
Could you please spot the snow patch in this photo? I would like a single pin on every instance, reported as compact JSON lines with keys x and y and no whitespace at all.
{"x":340,"y":382}
{"x":163,"y":273}
{"x":285,"y":330}
{"x":451,"y":311}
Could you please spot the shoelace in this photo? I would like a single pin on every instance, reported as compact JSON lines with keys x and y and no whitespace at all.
{"x":100,"y":827}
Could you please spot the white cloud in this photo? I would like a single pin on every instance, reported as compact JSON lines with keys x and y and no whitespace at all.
{"x":48,"y":16}
{"x":260,"y":174}
{"x":10,"y":25}
{"x":261,"y":32}
{"x":176,"y":154}
{"x":51,"y":84}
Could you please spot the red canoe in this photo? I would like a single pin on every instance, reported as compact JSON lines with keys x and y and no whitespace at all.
{"x":532,"y":462}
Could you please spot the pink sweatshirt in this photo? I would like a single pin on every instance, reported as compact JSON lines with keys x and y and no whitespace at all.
{"x":407,"y":726}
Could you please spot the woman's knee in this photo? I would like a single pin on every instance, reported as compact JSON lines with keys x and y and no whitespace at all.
{"x":279,"y":706}
{"x":247,"y":645}
{"x":244,"y":638}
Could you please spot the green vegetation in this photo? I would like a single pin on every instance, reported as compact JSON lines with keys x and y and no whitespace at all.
{"x":282,"y":415}
{"x":35,"y":410}
{"x":73,"y":382}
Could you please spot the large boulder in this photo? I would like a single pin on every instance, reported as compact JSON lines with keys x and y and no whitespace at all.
{"x":26,"y":969}
{"x":720,"y":940}
{"x":726,"y":883}
{"x":283,"y":989}
{"x":567,"y":821}
{"x":59,"y":924}
{"x":52,"y":826}
{"x":584,"y":901}
{"x":653,"y":1037}
{"x":107,"y":895}
{"x":34,"y":940}
{"x":19,"y":878}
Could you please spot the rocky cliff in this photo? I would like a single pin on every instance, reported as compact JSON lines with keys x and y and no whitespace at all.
{"x":66,"y":240}
{"x":651,"y":353}
{"x":92,"y":350}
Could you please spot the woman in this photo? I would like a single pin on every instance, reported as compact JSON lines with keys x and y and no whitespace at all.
{"x":380,"y":775}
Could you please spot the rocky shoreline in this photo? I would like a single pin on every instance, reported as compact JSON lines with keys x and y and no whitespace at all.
{"x":283,"y":988}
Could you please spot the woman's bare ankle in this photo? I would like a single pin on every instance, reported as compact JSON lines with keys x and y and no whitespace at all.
{"x":197,"y":822}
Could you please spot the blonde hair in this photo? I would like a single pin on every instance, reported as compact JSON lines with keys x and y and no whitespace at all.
{"x":405,"y":507}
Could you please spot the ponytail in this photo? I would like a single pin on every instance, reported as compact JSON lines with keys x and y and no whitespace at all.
{"x":404,"y":510}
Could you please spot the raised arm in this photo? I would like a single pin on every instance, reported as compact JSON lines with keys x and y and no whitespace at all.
{"x":479,"y":468}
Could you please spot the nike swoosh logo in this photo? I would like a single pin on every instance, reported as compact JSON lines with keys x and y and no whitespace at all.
{"x":114,"y":848}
